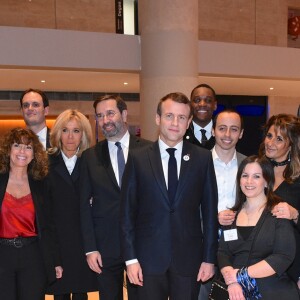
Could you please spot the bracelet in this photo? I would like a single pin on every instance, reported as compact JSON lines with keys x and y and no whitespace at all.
{"x":248,"y":284}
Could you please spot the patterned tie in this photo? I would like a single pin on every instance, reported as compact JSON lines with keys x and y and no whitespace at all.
{"x":121,"y":161}
{"x":203,"y":136}
{"x":172,"y":174}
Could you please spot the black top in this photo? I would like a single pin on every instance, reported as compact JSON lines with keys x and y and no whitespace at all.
{"x":290,"y":193}
{"x":275,"y":244}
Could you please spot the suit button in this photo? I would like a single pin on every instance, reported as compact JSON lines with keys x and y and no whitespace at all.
{"x":172,"y":211}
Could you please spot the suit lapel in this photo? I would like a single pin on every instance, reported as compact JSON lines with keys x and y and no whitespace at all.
{"x":103,"y":155}
{"x":75,"y":174}
{"x":61,"y":169}
{"x":156,"y":165}
{"x":186,"y":161}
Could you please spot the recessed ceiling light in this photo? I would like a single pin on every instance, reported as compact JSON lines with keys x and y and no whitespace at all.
{"x":125,"y":83}
{"x":43,"y":81}
{"x":271,"y":88}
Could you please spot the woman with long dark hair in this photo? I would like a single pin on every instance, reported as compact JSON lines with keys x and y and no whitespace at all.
{"x":257,"y":249}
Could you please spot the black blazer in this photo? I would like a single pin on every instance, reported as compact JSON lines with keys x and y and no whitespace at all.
{"x":45,"y":227}
{"x":64,"y":196}
{"x":274,"y":243}
{"x":190,"y":137}
{"x":156,"y":232}
{"x":98,"y":185}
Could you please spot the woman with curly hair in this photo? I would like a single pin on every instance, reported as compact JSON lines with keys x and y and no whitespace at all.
{"x":28,"y":256}
{"x":70,"y":135}
{"x":281,"y":146}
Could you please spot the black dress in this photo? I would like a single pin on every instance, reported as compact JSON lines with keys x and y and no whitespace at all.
{"x":274,"y":243}
{"x":290,"y":193}
{"x":64,"y":194}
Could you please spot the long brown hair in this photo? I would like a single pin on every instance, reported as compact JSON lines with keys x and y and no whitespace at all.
{"x":289,"y":127}
{"x":38,"y":167}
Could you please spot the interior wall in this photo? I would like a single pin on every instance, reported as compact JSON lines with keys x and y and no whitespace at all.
{"x":260,"y":22}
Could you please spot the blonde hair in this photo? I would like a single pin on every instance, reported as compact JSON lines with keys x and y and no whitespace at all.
{"x":61,"y":121}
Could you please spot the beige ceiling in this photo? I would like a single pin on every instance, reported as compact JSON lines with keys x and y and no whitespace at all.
{"x":86,"y":81}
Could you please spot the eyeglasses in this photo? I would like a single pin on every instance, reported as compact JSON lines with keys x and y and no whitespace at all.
{"x":26,"y":105}
{"x":206,"y":99}
{"x":109,"y":115}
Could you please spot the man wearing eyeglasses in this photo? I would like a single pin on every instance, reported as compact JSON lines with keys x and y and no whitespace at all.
{"x":102,"y":167}
{"x":204,"y":103}
{"x":35,"y":107}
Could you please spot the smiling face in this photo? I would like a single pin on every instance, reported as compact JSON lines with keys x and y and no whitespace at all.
{"x":228,"y":130}
{"x":204,"y":104}
{"x":71,"y":136}
{"x":34,"y":112}
{"x":173,"y":122}
{"x":252,"y":182}
{"x":111,"y":121}
{"x":277,"y":146}
{"x":21,"y":155}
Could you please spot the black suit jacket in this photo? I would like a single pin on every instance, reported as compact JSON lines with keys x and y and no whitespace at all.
{"x":45,"y":227}
{"x":156,"y":232}
{"x":98,"y":185}
{"x":64,"y":196}
{"x":190,"y":137}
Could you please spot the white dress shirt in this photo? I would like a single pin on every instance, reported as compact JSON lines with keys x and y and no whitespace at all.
{"x":165,"y":157}
{"x":226,"y":180}
{"x":42,"y":135}
{"x":197,"y":132}
{"x":113,"y":149}
{"x":69,"y":162}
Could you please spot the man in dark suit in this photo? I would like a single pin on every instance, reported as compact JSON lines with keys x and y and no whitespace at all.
{"x":100,"y":181}
{"x":35,"y":107}
{"x":166,"y":249}
{"x":204,"y":103}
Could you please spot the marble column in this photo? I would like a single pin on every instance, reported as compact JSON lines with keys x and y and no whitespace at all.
{"x":169,"y":54}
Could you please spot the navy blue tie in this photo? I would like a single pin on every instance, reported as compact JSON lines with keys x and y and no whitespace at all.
{"x":203,"y":136}
{"x":172,"y":174}
{"x":121,"y":161}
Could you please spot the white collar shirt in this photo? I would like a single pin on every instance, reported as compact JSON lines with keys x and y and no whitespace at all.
{"x":165,"y":157}
{"x":197,"y":132}
{"x":69,"y":162}
{"x":42,"y":135}
{"x":226,"y":180}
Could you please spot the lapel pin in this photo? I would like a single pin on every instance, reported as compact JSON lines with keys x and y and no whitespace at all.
{"x":186,"y":157}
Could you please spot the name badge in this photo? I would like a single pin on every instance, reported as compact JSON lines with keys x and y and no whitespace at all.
{"x":230,"y":235}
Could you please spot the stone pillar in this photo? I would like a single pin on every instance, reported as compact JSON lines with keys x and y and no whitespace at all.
{"x":169,"y":54}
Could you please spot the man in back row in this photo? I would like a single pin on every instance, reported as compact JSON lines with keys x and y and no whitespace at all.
{"x":35,"y":107}
{"x":204,"y":103}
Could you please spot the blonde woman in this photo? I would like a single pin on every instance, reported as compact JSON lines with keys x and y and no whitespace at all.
{"x":70,"y":136}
